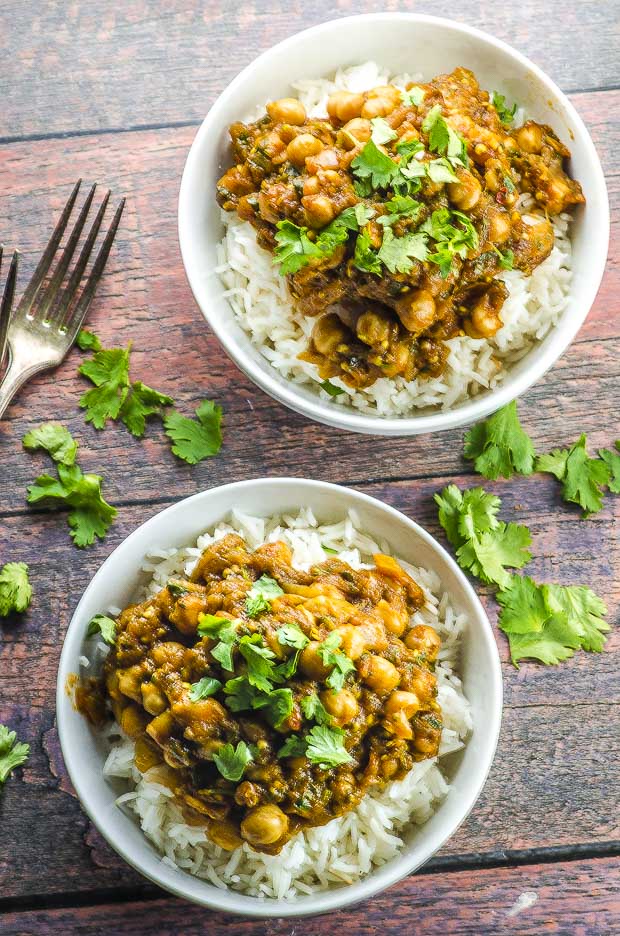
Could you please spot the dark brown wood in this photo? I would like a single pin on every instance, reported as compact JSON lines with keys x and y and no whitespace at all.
{"x":554,"y":788}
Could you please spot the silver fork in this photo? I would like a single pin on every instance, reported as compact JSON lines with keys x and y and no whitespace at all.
{"x":46,"y":322}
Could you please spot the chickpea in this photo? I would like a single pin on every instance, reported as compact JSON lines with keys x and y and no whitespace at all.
{"x":344,"y":105}
{"x":130,"y":682}
{"x":401,"y":701}
{"x":485,"y":320}
{"x":326,"y":159}
{"x":248,"y":794}
{"x":499,"y":227}
{"x":398,"y":725}
{"x":530,"y":137}
{"x":319,"y":210}
{"x":353,"y":641}
{"x":381,"y":675}
{"x":328,"y":333}
{"x":168,"y":652}
{"x":225,"y":834}
{"x":312,"y":186}
{"x":373,"y":330}
{"x":133,"y":721}
{"x":541,"y":235}
{"x":359,"y":128}
{"x":153,"y":700}
{"x":342,"y":706}
{"x":389,"y":92}
{"x":272,"y":144}
{"x":416,"y":310}
{"x":264,"y":825}
{"x":466,"y":192}
{"x":310,"y":662}
{"x":185,"y":613}
{"x":287,"y":110}
{"x":425,"y":640}
{"x":493,"y":175}
{"x":421,"y":682}
{"x":395,"y":621}
{"x":145,"y":755}
{"x":301,"y":147}
{"x":377,"y":107}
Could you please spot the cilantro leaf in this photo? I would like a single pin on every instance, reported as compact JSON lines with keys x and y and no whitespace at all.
{"x":582,"y":477}
{"x":325,"y":747}
{"x":500,"y":446}
{"x":195,"y":439}
{"x":294,"y":248}
{"x":557,"y":641}
{"x":55,"y":439}
{"x":108,"y":370}
{"x":277,"y":706}
{"x":333,"y":657}
{"x":209,"y":625}
{"x":259,"y":659}
{"x":413,"y":96}
{"x":506,"y":114}
{"x":442,"y":138}
{"x":612,"y":460}
{"x":459,"y":508}
{"x":231,"y":762}
{"x":291,"y":635}
{"x":381,"y":131}
{"x":294,"y":746}
{"x":331,"y":388}
{"x":584,"y":609}
{"x":365,"y":257}
{"x":103,"y":625}
{"x":397,"y":253}
{"x":87,"y":341}
{"x":506,"y":258}
{"x":259,"y":595}
{"x":15,"y":588}
{"x":141,"y":402}
{"x":455,"y":236}
{"x":90,"y":515}
{"x":400,"y":206}
{"x":439,"y":170}
{"x":240,"y":694}
{"x":314,"y":710}
{"x":205,"y":687}
{"x":13,"y":753}
{"x":374,"y":165}
{"x":289,"y":667}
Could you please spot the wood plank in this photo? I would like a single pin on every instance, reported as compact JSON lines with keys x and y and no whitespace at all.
{"x":157,"y":62}
{"x":548,"y":733}
{"x":580,"y":898}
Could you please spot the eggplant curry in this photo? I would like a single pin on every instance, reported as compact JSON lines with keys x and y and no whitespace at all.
{"x":269,"y":699}
{"x":393,"y":217}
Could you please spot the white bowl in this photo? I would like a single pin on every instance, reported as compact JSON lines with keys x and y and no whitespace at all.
{"x":403,"y":42}
{"x":115,"y":584}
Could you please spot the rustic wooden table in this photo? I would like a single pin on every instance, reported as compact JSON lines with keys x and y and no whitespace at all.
{"x":114,"y":91}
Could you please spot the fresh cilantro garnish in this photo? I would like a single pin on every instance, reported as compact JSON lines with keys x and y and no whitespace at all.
{"x":400,"y":207}
{"x":374,"y":165}
{"x":259,"y":659}
{"x":209,"y":625}
{"x":484,"y":545}
{"x":259,"y":595}
{"x":55,"y":439}
{"x":582,"y":477}
{"x":231,"y":762}
{"x":455,"y":235}
{"x":331,"y":388}
{"x":195,"y":439}
{"x":500,"y":446}
{"x":141,"y":402}
{"x":612,"y":460}
{"x":87,"y":341}
{"x":288,"y":669}
{"x":223,"y":652}
{"x":205,"y":687}
{"x":365,"y":257}
{"x":177,"y":588}
{"x":13,"y":753}
{"x":506,"y":114}
{"x":242,"y":695}
{"x":442,"y":138}
{"x":294,"y":746}
{"x":549,"y":622}
{"x":104,"y":626}
{"x":325,"y":747}
{"x":314,"y":710}
{"x":440,"y":170}
{"x":15,"y":588}
{"x":506,"y":258}
{"x":291,"y":635}
{"x":109,"y":371}
{"x":381,"y":131}
{"x":295,"y":249}
{"x":331,"y":656}
{"x":398,"y":253}
{"x":89,"y":514}
{"x":413,"y":96}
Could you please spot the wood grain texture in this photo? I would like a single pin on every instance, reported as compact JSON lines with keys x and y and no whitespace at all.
{"x":100,"y":65}
{"x":579,"y":898}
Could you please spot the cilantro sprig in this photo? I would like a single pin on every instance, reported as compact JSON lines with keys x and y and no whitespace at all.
{"x":15,"y":588}
{"x":260,"y":594}
{"x":500,"y":445}
{"x":195,"y":439}
{"x":13,"y":753}
{"x":104,"y":626}
{"x":231,"y":762}
{"x":339,"y":661}
{"x":322,"y":745}
{"x":506,"y":114}
{"x":582,"y":477}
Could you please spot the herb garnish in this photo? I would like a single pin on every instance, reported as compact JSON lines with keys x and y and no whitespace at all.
{"x":413,"y":96}
{"x":205,"y":687}
{"x":15,"y":588}
{"x":325,"y":747}
{"x":291,"y":635}
{"x":443,"y":139}
{"x":500,"y":446}
{"x":398,"y":253}
{"x":374,"y":165}
{"x":381,"y":131}
{"x":582,"y":477}
{"x":333,"y":657}
{"x":209,"y":625}
{"x":259,"y":595}
{"x":104,"y":626}
{"x":231,"y":762}
{"x":331,"y":388}
{"x":506,"y":114}
{"x":195,"y":439}
{"x":55,"y":439}
{"x":13,"y":753}
{"x":314,"y":710}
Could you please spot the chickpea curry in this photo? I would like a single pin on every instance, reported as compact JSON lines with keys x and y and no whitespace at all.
{"x":269,"y":699}
{"x":394,"y":217}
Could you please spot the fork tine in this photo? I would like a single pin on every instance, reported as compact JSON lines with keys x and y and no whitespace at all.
{"x":78,"y":315}
{"x":6,"y":303}
{"x":63,"y":300}
{"x":55,"y":283}
{"x":46,"y":260}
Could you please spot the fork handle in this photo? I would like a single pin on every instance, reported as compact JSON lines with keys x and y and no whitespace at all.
{"x":14,"y":378}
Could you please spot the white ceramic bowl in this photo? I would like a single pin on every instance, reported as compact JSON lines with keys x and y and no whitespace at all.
{"x":403,"y":42}
{"x":115,"y":584}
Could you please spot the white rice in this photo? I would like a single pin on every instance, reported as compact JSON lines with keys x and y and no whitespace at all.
{"x":263,"y":306}
{"x":348,"y":847}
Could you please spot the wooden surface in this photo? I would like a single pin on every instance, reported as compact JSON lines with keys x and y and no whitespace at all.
{"x":113,"y":91}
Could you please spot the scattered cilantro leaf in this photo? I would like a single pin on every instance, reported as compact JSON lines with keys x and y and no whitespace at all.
{"x":612,"y":460}
{"x":365,"y":257}
{"x":400,"y":206}
{"x":340,"y":662}
{"x":141,"y":402}
{"x":381,"y":131}
{"x":506,"y":114}
{"x":325,"y":747}
{"x":440,"y":170}
{"x":314,"y":710}
{"x":55,"y":439}
{"x":442,"y":138}
{"x":331,"y":388}
{"x":15,"y":588}
{"x":374,"y":165}
{"x":89,"y":515}
{"x":582,"y":477}
{"x":455,"y":236}
{"x":506,"y":258}
{"x":413,"y":96}
{"x":104,"y":626}
{"x":13,"y":753}
{"x":240,"y":694}
{"x":294,"y":248}
{"x":584,"y":609}
{"x":500,"y":446}
{"x":177,"y":588}
{"x":205,"y":687}
{"x":294,"y":746}
{"x":195,"y":439}
{"x":291,"y":635}
{"x":259,"y":659}
{"x":108,"y":370}
{"x":88,"y":341}
{"x":524,"y":609}
{"x":259,"y":595}
{"x":276,"y":706}
{"x":231,"y":762}
{"x":209,"y":625}
{"x":398,"y":253}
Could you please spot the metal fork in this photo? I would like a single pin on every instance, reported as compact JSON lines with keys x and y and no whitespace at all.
{"x":46,"y":322}
{"x":6,"y":303}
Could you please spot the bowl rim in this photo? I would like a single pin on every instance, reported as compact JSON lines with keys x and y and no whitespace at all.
{"x":559,"y":338}
{"x":227,"y":900}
